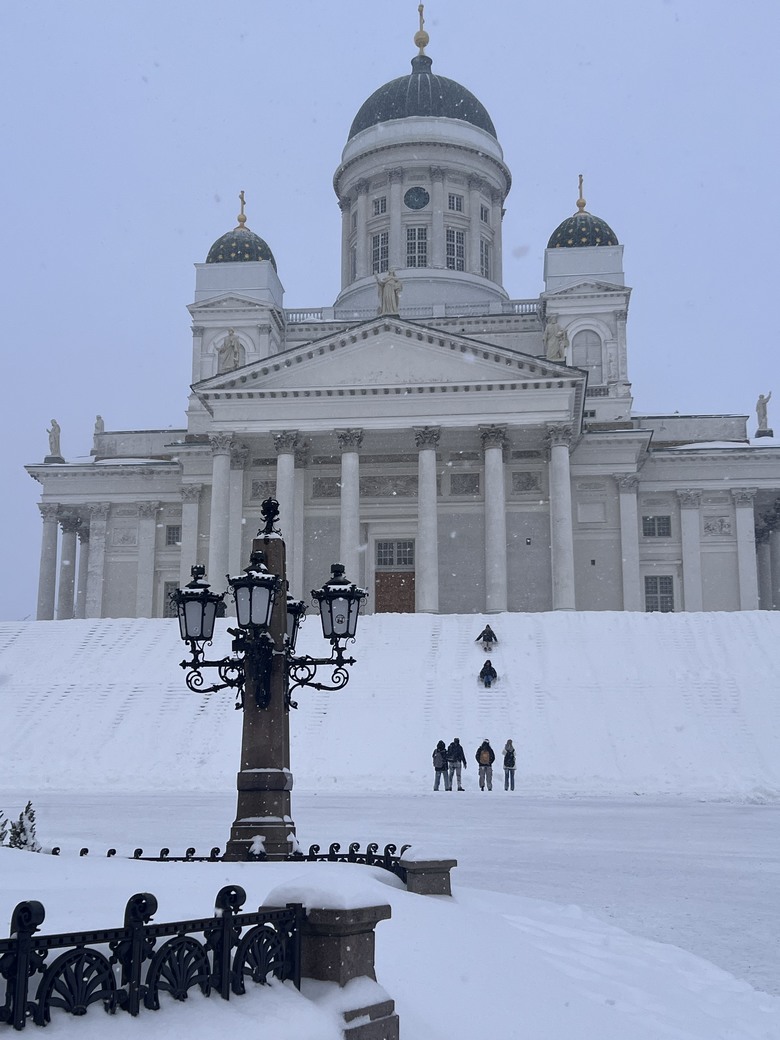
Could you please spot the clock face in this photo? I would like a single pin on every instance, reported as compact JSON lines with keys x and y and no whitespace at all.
{"x":417,"y":198}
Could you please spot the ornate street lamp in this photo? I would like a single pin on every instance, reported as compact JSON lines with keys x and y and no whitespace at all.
{"x":263,"y":669}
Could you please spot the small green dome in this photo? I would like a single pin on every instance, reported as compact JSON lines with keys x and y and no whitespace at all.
{"x":583,"y":229}
{"x":239,"y":245}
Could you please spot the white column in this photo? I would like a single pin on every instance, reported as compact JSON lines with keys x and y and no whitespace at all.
{"x":286,"y":443}
{"x":346,"y":232}
{"x":493,"y":438}
{"x":349,"y":540}
{"x":191,"y":552}
{"x":629,"y":540}
{"x":427,"y":549}
{"x":561,"y":519}
{"x":67,"y":585}
{"x":295,"y":565}
{"x":774,"y":568}
{"x":362,"y":254}
{"x":690,"y":536}
{"x":47,"y":573}
{"x":219,"y":527}
{"x":764,"y":564}
{"x":438,"y":251}
{"x":81,"y":577}
{"x":746,"y":547}
{"x":147,"y":537}
{"x":238,"y":457}
{"x":98,"y":525}
{"x":497,"y":216}
{"x":475,"y":228}
{"x":396,"y":244}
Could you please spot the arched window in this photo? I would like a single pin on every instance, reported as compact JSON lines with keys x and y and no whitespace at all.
{"x":586,"y":353}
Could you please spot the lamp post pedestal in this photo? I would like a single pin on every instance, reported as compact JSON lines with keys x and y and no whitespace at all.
{"x":264,"y":782}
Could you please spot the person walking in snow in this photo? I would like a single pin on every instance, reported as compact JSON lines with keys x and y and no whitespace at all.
{"x":440,"y":766}
{"x":455,"y":759}
{"x":488,"y":674}
{"x":509,"y":766}
{"x":485,"y":757}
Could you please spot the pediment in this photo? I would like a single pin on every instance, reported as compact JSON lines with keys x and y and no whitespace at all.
{"x":587,"y":288}
{"x":385,"y":352}
{"x":229,"y":301}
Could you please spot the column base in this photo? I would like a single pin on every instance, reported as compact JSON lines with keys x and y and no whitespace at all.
{"x":759,"y":433}
{"x":270,"y":839}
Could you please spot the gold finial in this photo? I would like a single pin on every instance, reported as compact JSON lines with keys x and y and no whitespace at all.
{"x":421,"y":37}
{"x":581,"y":201}
{"x":242,"y":216}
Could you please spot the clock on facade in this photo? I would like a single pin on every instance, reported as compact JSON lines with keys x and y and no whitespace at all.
{"x":417,"y":198}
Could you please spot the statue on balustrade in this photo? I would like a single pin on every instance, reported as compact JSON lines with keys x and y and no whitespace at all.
{"x":761,"y":413}
{"x":54,"y":439}
{"x":389,"y":293}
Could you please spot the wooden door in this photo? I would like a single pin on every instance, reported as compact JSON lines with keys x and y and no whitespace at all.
{"x":394,"y":592}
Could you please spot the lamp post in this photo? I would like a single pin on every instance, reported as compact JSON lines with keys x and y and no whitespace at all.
{"x":260,"y":668}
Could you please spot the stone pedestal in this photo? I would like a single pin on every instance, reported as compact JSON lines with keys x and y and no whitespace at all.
{"x":430,"y":877}
{"x":759,"y":433}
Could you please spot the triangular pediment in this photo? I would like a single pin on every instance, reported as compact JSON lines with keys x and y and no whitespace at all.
{"x":386,"y":352}
{"x":229,"y":301}
{"x":587,"y":288}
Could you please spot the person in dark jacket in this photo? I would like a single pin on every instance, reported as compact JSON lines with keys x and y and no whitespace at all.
{"x":488,"y":674}
{"x":440,"y":766}
{"x":487,"y":637}
{"x":455,"y":759}
{"x":510,"y":761}
{"x":485,"y":757}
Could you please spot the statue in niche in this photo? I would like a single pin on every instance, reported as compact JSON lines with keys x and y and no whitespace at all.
{"x":389,"y":293}
{"x":761,"y":403}
{"x":229,"y":353}
{"x":556,"y":341}
{"x":54,"y":439}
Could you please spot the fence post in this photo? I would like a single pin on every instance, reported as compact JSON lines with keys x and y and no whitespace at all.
{"x":25,"y":921}
{"x":139,"y":911}
{"x":223,"y":935}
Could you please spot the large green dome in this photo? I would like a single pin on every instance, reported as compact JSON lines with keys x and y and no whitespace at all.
{"x":421,"y":93}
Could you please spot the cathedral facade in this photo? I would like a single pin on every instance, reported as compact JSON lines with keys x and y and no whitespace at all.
{"x":458,"y":450}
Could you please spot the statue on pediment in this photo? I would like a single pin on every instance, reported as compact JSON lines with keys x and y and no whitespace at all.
{"x":389,"y":292}
{"x":556,"y":341}
{"x":54,"y":439}
{"x":229,"y":353}
{"x":761,"y":413}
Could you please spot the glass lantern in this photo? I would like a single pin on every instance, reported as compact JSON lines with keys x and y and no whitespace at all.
{"x":196,"y":608}
{"x":255,"y":593}
{"x":339,"y":601}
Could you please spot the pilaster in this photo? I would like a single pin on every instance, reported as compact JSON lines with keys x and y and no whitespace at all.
{"x":427,"y":556}
{"x":690,"y":535}
{"x":629,"y":540}
{"x":746,"y":547}
{"x":147,"y":536}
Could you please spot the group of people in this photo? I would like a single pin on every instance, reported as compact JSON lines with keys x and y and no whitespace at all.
{"x":449,"y":761}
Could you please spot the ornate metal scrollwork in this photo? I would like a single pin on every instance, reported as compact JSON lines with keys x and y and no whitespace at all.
{"x":76,"y":979}
{"x":179,"y":965}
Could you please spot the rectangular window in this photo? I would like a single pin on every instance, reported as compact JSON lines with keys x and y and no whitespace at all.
{"x":657,"y":526}
{"x":484,"y":258}
{"x":455,"y":203}
{"x":173,"y":534}
{"x":380,"y":251}
{"x":354,"y":219}
{"x":168,"y":607}
{"x":456,"y":250}
{"x":395,"y":554}
{"x":417,"y":247}
{"x":380,"y":205}
{"x":484,"y":215}
{"x":385,"y":554}
{"x":659,"y":593}
{"x":404,"y":554}
{"x":353,"y":264}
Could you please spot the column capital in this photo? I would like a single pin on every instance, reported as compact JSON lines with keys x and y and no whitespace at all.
{"x":396,"y":175}
{"x":492,"y":436}
{"x":83,"y":533}
{"x":70,"y":524}
{"x":239,"y":453}
{"x":688,"y":498}
{"x":221,"y":443}
{"x":557,"y":434}
{"x":147,"y":510}
{"x":361,"y":186}
{"x":285,"y":441}
{"x":437,"y":173}
{"x":627,"y":482}
{"x":475,"y":183}
{"x":345,"y":204}
{"x":98,"y":510}
{"x":744,"y":496}
{"x":349,"y":440}
{"x":427,"y":437}
{"x":191,"y":492}
{"x":49,"y":511}
{"x":197,"y":330}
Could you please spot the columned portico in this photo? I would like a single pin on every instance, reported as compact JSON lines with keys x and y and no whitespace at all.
{"x":47,"y":575}
{"x":427,"y":555}
{"x":147,"y":535}
{"x":629,"y":540}
{"x":746,"y":547}
{"x":690,"y":536}
{"x":67,"y":585}
{"x":221,"y":445}
{"x":561,"y":530}
{"x":350,"y":442}
{"x":493,"y":439}
{"x":81,"y":576}
{"x":190,"y":547}
{"x":98,"y":523}
{"x":286,"y":443}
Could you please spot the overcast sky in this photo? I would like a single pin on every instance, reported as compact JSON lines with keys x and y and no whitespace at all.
{"x":129,"y":129}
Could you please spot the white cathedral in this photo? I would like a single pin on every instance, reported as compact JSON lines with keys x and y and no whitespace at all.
{"x":458,"y":450}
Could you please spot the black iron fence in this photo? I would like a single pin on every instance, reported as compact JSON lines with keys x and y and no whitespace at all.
{"x":128,"y":968}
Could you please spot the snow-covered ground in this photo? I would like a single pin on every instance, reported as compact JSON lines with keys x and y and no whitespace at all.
{"x":671,"y":721}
